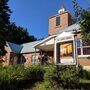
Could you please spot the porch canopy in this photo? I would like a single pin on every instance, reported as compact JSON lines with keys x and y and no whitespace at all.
{"x":46,"y":44}
{"x":64,"y":35}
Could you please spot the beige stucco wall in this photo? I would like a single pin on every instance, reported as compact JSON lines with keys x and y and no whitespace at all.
{"x":86,"y":68}
{"x":85,"y":62}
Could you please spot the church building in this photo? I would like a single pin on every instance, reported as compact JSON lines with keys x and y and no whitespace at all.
{"x":62,"y":46}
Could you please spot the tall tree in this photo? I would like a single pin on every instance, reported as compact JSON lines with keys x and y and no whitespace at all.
{"x":77,"y":9}
{"x":85,"y":25}
{"x":4,"y":23}
{"x":19,"y":35}
{"x":83,"y":17}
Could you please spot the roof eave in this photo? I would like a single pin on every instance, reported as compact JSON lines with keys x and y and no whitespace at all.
{"x":44,"y":40}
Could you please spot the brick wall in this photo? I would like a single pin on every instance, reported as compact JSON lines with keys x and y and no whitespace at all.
{"x":28,"y":57}
{"x":12,"y":55}
{"x":65,"y":21}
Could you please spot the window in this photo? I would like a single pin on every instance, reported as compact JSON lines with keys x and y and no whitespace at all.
{"x":86,"y":48}
{"x":83,"y":48}
{"x":15,"y":60}
{"x":79,"y":47}
{"x":34,"y":59}
{"x":58,"y":21}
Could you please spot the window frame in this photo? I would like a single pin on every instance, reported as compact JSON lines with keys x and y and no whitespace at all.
{"x":35,"y":59}
{"x":81,"y":48}
{"x":57,"y":21}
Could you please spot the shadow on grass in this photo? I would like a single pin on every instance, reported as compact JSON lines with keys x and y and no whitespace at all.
{"x":19,"y":85}
{"x":81,"y":86}
{"x":30,"y":84}
{"x":85,"y":86}
{"x":27,"y":84}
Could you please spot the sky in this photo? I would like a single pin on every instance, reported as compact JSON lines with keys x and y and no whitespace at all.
{"x":34,"y":14}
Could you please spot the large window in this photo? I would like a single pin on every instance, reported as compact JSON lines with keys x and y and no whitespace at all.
{"x":65,"y":53}
{"x":57,"y":20}
{"x":83,"y":48}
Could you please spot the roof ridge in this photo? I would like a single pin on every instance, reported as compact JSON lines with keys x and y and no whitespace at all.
{"x":62,"y":30}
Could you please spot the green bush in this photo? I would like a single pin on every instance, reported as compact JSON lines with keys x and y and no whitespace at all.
{"x":9,"y":76}
{"x":65,"y":76}
{"x":35,"y":72}
{"x":84,"y":74}
{"x":51,"y":77}
{"x":12,"y":77}
{"x":44,"y":85}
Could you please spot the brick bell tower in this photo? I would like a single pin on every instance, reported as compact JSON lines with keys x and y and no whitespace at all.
{"x":60,"y":21}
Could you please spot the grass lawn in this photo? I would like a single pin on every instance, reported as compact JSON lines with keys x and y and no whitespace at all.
{"x":84,"y":81}
{"x":45,"y":85}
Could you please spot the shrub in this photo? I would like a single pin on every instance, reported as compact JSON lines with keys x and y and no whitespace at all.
{"x":84,"y":74}
{"x":65,"y":76}
{"x":51,"y":77}
{"x":12,"y":77}
{"x":35,"y":72}
{"x":1,"y":62}
{"x":44,"y":85}
{"x":9,"y":76}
